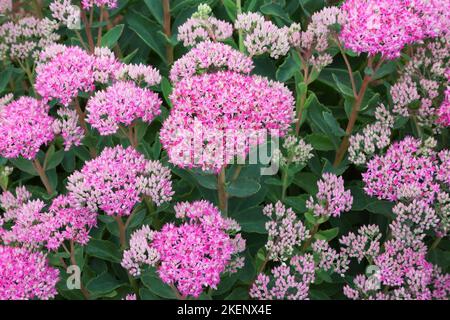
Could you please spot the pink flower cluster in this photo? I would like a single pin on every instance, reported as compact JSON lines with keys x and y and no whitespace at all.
{"x":331,"y":199}
{"x":224,"y":106}
{"x":121,"y":104}
{"x":34,"y":227}
{"x":25,"y":38}
{"x":404,"y":172}
{"x":285,"y":231}
{"x":117,"y":179}
{"x":190,"y":256}
{"x":419,"y":91}
{"x":88,"y":4}
{"x":386,"y":26}
{"x":26,"y":275}
{"x":261,"y":36}
{"x":208,"y":56}
{"x":70,"y":70}
{"x":65,"y":13}
{"x":139,"y":73}
{"x":24,"y":127}
{"x":290,"y":282}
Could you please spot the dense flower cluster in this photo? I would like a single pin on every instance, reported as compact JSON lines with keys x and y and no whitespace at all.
{"x":115,"y":181}
{"x":208,"y":56}
{"x":190,"y":256}
{"x":67,"y":126}
{"x":24,"y":127}
{"x":66,"y":71}
{"x":331,"y":199}
{"x":26,"y":275}
{"x":386,"y":26}
{"x":5,"y":5}
{"x":223,"y":106}
{"x":285,"y":231}
{"x":418,"y":93}
{"x":444,"y":109}
{"x":33,"y":226}
{"x":405,"y":171}
{"x":26,"y":37}
{"x":261,"y":36}
{"x":201,"y":26}
{"x":375,"y":136}
{"x":290,"y":282}
{"x":121,"y":104}
{"x":405,"y":270}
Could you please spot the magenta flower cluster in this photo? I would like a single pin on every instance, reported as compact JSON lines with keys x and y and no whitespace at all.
{"x":24,"y":127}
{"x":190,"y":256}
{"x":331,"y":199}
{"x":223,"y":106}
{"x":386,"y":26}
{"x":121,"y":104}
{"x":117,"y":179}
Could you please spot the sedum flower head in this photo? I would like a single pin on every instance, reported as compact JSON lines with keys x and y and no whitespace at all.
{"x":386,"y":26}
{"x":117,"y":179}
{"x":26,"y":275}
{"x":331,"y":199}
{"x":224,"y":106}
{"x":210,"y":56}
{"x":24,"y":127}
{"x":121,"y":104}
{"x":189,"y":256}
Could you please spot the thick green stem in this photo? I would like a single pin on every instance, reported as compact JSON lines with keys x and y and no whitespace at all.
{"x":222,"y":193}
{"x":301,"y":99}
{"x":284,"y":179}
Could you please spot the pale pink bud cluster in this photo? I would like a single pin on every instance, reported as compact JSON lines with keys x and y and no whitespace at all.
{"x":25,"y":38}
{"x":331,"y":198}
{"x":121,"y":104}
{"x":117,"y":179}
{"x":88,"y":4}
{"x":12,"y":203}
{"x":198,"y":29}
{"x":404,"y":172}
{"x":67,"y":126}
{"x":26,"y":275}
{"x":386,"y":26}
{"x":208,"y":56}
{"x":24,"y":127}
{"x":419,"y":91}
{"x":363,"y":245}
{"x":214,"y":108}
{"x":287,"y":282}
{"x":190,"y":256}
{"x":316,"y":39}
{"x":375,"y":136}
{"x":65,"y":13}
{"x":138,"y":73}
{"x":296,"y":151}
{"x":5,"y":5}
{"x":285,"y":231}
{"x":261,"y":36}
